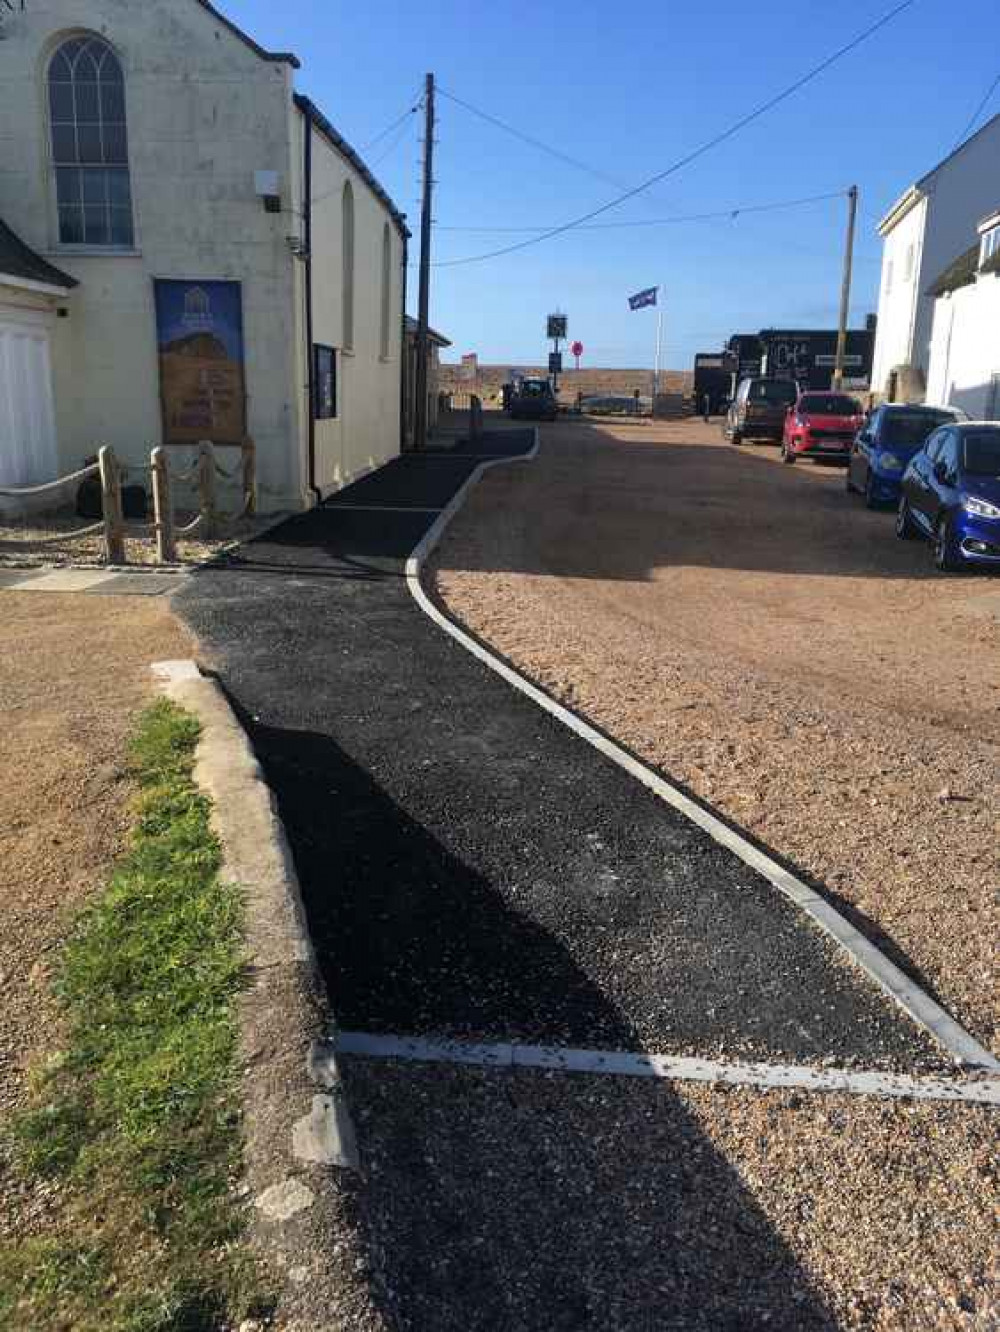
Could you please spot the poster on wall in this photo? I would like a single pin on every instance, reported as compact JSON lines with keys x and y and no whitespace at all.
{"x":199,"y":333}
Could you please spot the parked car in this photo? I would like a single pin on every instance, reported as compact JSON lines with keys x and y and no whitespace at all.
{"x":951,"y":495}
{"x":884,"y":446}
{"x":758,"y":410}
{"x":533,"y":400}
{"x":821,"y":425}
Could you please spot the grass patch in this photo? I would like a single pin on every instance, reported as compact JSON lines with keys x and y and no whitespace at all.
{"x":136,"y":1121}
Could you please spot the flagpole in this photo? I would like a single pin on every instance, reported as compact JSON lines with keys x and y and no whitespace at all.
{"x":659,"y":336}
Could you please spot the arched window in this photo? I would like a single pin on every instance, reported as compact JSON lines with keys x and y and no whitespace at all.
{"x":89,"y":144}
{"x":348,"y":283}
{"x":386,"y":292}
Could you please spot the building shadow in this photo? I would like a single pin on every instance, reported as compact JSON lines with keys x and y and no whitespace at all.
{"x":493,"y":1199}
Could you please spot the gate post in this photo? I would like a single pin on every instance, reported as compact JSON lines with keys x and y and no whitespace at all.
{"x":111,"y":505}
{"x":163,"y":509}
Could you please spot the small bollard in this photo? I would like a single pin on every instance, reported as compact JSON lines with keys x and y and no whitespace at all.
{"x":163,"y":509}
{"x":111,"y":505}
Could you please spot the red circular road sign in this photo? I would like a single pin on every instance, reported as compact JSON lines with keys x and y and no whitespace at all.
{"x":577,"y":349}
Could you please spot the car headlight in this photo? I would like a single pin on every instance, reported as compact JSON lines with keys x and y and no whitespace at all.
{"x":891,"y":462}
{"x":980,"y":507}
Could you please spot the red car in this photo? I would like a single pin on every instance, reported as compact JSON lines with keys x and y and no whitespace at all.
{"x":821,"y":425}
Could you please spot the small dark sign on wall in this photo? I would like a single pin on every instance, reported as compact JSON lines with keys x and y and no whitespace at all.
{"x":324,"y":382}
{"x":199,"y":332}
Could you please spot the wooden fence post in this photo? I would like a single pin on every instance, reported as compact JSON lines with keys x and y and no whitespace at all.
{"x":111,"y":505}
{"x":206,"y":487}
{"x":248,"y":454}
{"x":163,"y":509}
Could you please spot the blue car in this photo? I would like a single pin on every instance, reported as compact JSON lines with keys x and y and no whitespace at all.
{"x":884,"y":446}
{"x":951,"y":494}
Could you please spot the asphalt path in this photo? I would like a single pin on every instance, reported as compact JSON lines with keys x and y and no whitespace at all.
{"x":471,"y":868}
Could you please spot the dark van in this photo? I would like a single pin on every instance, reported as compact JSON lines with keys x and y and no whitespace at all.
{"x":759,"y":409}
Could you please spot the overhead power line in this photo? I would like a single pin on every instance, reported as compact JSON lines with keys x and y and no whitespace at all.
{"x":700,"y":151}
{"x":411,"y":110}
{"x":557,"y":153}
{"x":978,"y":111}
{"x":732,"y":213}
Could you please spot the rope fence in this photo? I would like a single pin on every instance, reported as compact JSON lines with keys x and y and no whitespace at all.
{"x":113,"y":524}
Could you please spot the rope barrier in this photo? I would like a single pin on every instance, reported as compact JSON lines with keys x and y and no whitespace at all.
{"x":58,"y":536}
{"x":16,"y":491}
{"x":189,"y":527}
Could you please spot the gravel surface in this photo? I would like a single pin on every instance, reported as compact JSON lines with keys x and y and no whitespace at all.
{"x":74,"y":672}
{"x":758,"y":635}
{"x":531,"y":1200}
{"x":24,"y":544}
{"x":472,"y":868}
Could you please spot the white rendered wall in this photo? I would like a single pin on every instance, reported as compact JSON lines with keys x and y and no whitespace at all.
{"x":965,"y":356}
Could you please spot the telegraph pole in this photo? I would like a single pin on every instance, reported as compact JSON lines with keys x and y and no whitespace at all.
{"x":845,"y":289}
{"x":424,"y":300}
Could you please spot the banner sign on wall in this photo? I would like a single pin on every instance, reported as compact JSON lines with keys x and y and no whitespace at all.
{"x":199,"y":333}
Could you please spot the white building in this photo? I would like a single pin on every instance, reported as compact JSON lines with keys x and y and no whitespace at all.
{"x":922,"y":232}
{"x":965,"y":342}
{"x":196,"y":253}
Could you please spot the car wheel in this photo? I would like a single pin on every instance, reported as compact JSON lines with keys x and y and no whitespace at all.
{"x":787,"y":454}
{"x":736,"y":438}
{"x":946,"y":556}
{"x":871,"y":498}
{"x":905,"y":528}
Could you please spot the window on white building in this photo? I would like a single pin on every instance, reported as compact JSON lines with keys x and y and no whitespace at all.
{"x":386,"y":314}
{"x":908,"y":274}
{"x":89,"y":143}
{"x":888,"y":277}
{"x":347,"y":204}
{"x":989,"y":246}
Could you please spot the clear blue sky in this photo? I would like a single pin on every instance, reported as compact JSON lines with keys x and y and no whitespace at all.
{"x":627,"y":88}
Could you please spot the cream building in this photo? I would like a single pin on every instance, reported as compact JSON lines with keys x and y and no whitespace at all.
{"x":190,"y":250}
{"x":965,"y":341}
{"x":921,"y":233}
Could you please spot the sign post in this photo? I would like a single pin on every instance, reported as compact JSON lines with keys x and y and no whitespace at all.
{"x":577,"y":350}
{"x":555,"y":328}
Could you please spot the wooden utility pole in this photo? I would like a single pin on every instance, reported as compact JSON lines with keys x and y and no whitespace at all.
{"x":845,"y":289}
{"x":424,"y":299}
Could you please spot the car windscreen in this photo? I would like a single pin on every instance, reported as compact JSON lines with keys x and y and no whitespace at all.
{"x":910,"y":429}
{"x":534,"y":388}
{"x":772,"y":390}
{"x":982,"y":452}
{"x":830,"y":404}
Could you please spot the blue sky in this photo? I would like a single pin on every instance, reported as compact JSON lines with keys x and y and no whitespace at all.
{"x":627,"y":88}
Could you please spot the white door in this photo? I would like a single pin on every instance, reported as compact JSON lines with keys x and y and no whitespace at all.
{"x":28,"y":452}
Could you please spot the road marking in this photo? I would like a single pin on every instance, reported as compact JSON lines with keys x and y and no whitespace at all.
{"x":909,"y":996}
{"x":670,"y":1068}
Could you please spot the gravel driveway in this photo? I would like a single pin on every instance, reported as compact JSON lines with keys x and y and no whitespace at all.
{"x":756,"y":633}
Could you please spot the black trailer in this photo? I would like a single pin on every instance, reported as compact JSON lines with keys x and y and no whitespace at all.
{"x":713,"y":382}
{"x":810,"y":355}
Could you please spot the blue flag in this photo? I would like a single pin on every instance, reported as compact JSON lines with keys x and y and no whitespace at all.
{"x":641,"y":298}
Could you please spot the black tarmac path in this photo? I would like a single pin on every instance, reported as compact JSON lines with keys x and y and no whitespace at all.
{"x":473,"y":869}
{"x":470,"y":867}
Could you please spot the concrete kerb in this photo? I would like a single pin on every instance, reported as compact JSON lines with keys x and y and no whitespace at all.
{"x":296,"y":1123}
{"x":959,"y":1044}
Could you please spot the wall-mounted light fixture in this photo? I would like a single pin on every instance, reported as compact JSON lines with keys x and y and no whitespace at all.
{"x":267,"y":186}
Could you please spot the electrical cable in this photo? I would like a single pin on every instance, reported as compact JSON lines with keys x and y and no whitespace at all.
{"x":732,"y":213}
{"x":410,"y":111}
{"x":978,"y":112}
{"x":695,"y":153}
